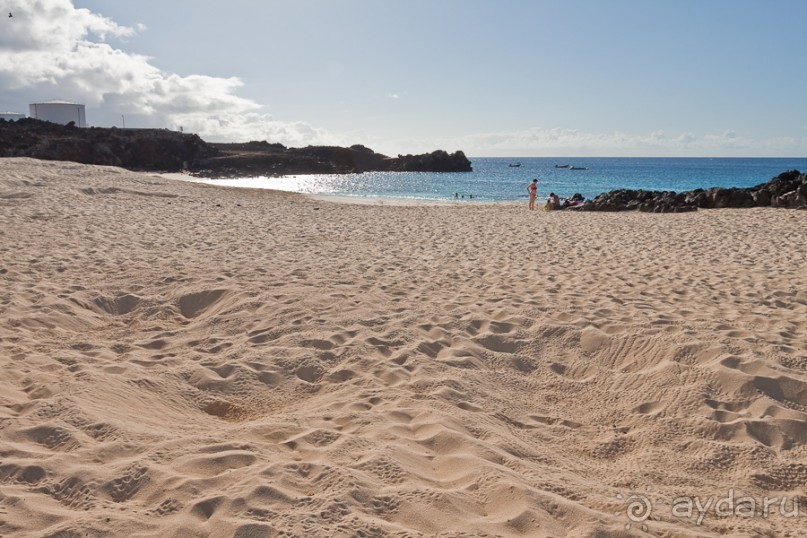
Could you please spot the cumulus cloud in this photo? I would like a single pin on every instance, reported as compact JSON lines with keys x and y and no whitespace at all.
{"x":51,"y":49}
{"x":50,"y":46}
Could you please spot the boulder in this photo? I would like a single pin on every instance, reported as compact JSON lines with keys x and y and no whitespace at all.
{"x":733,"y":197}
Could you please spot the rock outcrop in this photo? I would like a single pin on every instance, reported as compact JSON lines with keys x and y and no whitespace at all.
{"x":135,"y":149}
{"x":788,"y":190}
{"x":169,"y":151}
{"x":262,"y":158}
{"x":641,"y":200}
{"x":437,"y":161}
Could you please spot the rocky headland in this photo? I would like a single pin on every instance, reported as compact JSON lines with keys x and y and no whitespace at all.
{"x":170,"y":151}
{"x":161,"y":150}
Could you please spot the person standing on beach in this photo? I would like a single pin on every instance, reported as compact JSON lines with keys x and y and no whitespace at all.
{"x":532,"y":189}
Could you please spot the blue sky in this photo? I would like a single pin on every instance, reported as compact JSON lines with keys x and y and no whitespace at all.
{"x":493,"y":78}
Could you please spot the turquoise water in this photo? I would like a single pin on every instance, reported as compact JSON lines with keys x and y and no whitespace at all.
{"x":494,"y":180}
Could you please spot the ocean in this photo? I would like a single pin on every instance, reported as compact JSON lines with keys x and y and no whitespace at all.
{"x":495,"y":180}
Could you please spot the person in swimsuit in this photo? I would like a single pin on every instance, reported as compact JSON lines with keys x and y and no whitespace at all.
{"x":532,"y":189}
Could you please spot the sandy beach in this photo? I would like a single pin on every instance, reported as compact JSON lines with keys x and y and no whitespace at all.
{"x":181,"y":359}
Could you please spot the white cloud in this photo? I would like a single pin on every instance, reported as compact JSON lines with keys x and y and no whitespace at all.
{"x":558,"y":142}
{"x":51,"y":48}
{"x":685,"y":138}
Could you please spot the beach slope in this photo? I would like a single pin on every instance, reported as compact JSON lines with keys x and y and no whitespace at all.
{"x":187,"y":360}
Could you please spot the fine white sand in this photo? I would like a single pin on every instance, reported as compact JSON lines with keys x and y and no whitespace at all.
{"x":180,"y":359}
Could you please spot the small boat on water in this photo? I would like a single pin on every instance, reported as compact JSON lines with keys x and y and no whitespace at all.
{"x":578,"y":168}
{"x":563,"y":166}
{"x":514,"y":165}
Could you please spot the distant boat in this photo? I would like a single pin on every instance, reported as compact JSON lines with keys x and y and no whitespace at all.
{"x":578,"y":168}
{"x":563,"y":166}
{"x":514,"y":165}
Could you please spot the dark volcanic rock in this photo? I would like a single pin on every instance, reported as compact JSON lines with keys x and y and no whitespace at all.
{"x":260,"y":158}
{"x":437,"y":161}
{"x":163,"y":150}
{"x":785,"y":190}
{"x":647,"y":201}
{"x":136,"y":149}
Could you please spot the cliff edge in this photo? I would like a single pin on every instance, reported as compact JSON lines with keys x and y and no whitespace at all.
{"x":170,"y":151}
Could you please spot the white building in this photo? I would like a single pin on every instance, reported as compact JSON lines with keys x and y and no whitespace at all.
{"x":11,"y":116}
{"x":59,"y":112}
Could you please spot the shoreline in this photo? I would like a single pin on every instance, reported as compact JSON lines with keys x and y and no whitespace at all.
{"x":368,"y":199}
{"x":786,"y":190}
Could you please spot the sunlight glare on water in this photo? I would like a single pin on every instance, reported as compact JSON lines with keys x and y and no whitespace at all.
{"x":493,"y":179}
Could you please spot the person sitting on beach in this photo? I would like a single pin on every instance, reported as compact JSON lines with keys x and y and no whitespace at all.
{"x":552,"y":202}
{"x":575,"y":200}
{"x":532,"y":189}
